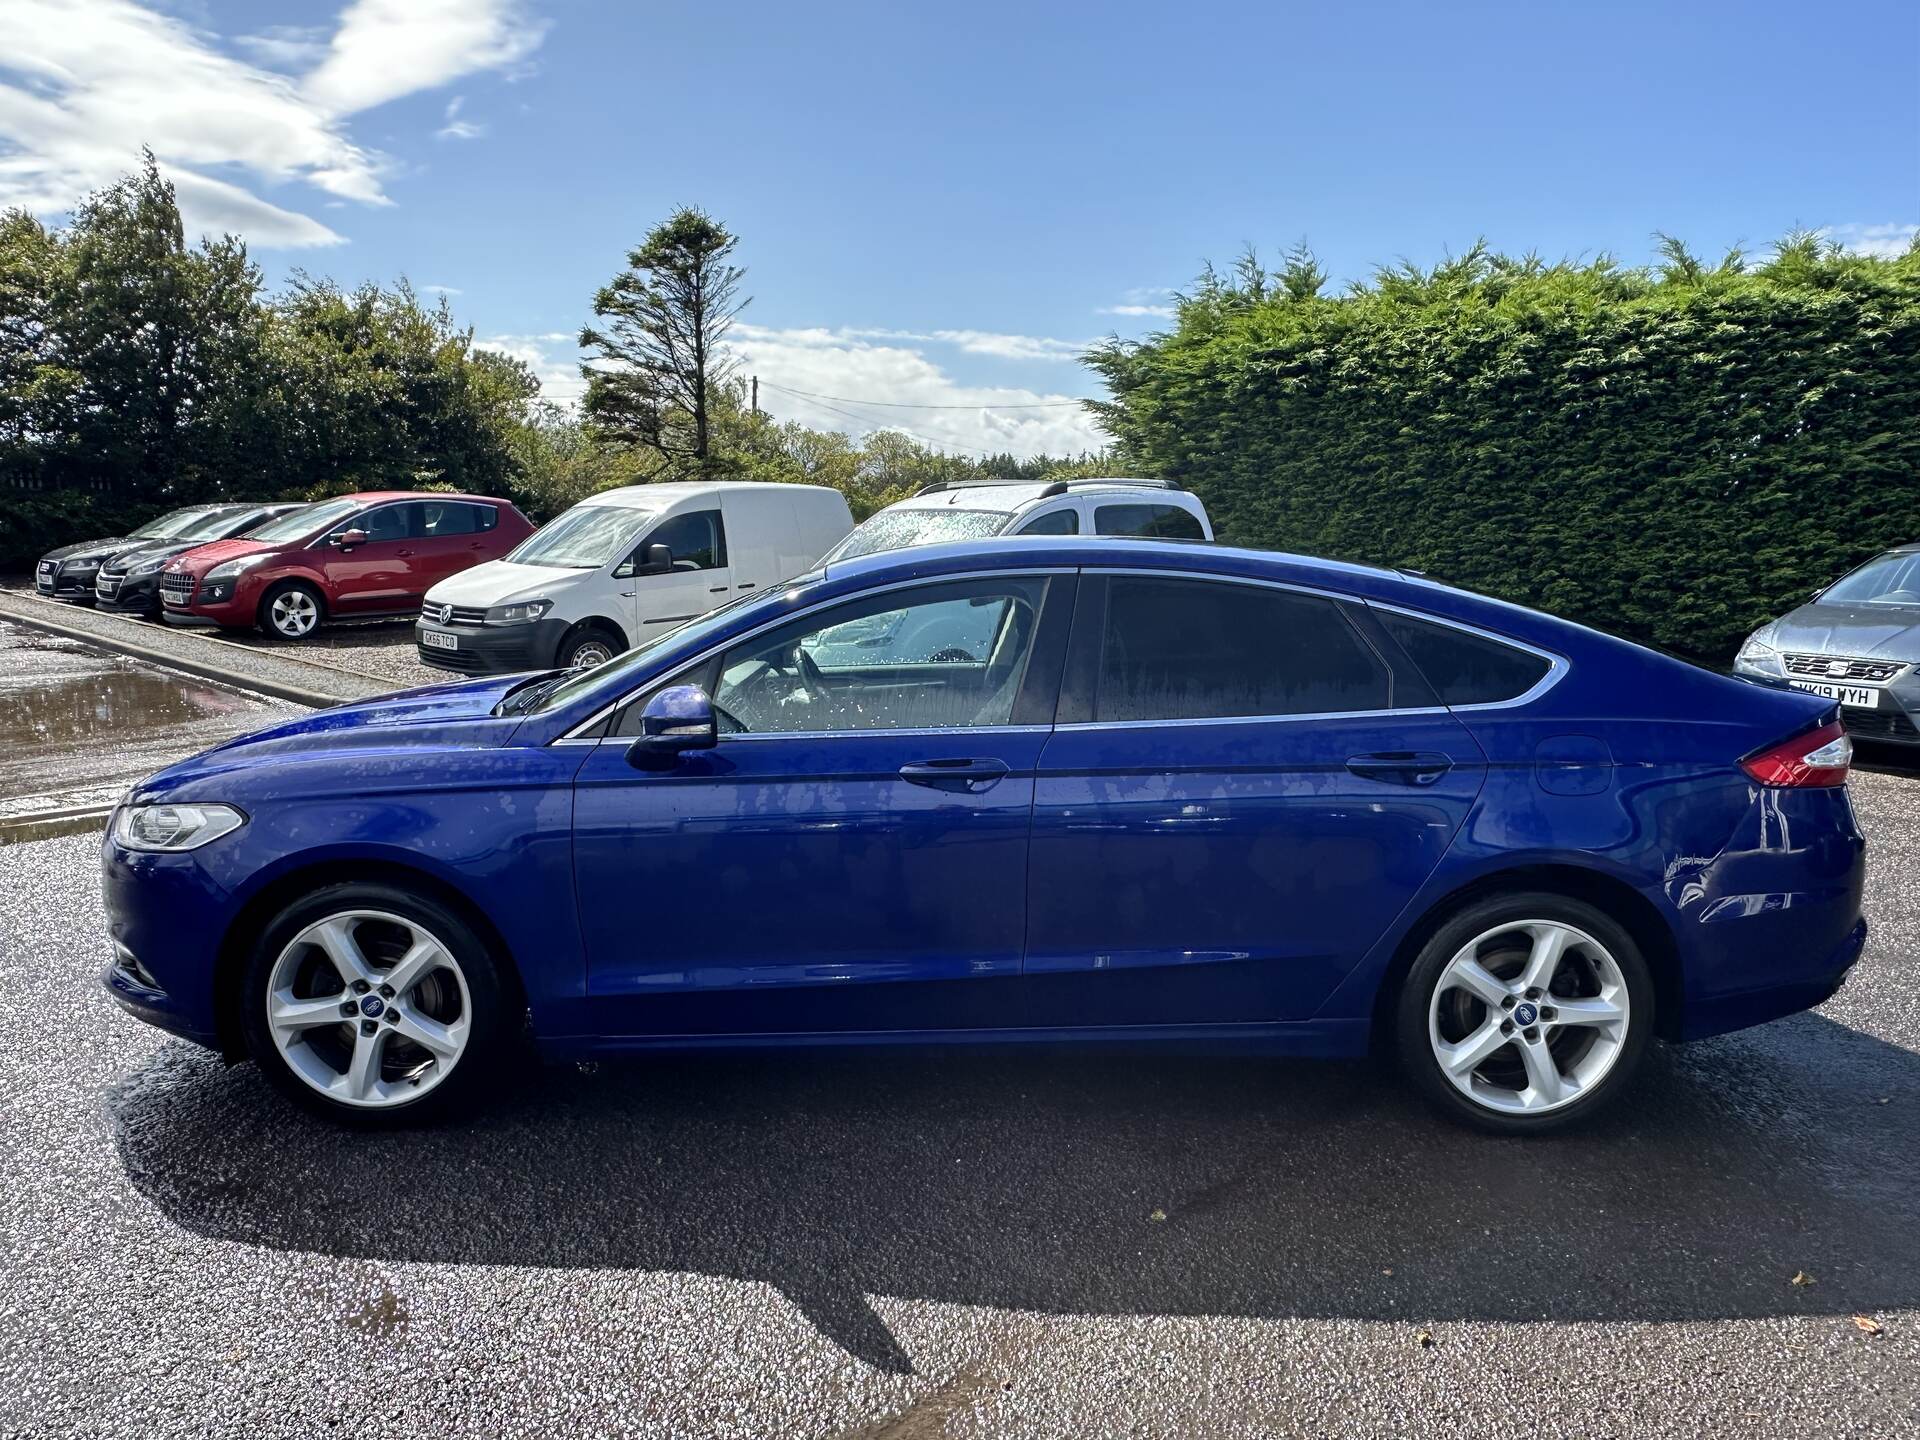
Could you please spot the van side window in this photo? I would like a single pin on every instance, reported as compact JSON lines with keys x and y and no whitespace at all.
{"x":1054,"y":522}
{"x":1204,"y":649}
{"x":698,"y":540}
{"x":1464,"y":669}
{"x":1156,"y":522}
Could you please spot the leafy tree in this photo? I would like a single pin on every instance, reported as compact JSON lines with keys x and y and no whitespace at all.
{"x":1675,"y":453}
{"x":657,"y":360}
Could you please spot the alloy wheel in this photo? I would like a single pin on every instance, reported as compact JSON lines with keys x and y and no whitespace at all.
{"x":368,"y":1008}
{"x":1529,"y":1016}
{"x":293,"y":614}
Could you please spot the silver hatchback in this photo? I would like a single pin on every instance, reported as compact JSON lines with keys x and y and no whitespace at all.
{"x":1858,"y":642}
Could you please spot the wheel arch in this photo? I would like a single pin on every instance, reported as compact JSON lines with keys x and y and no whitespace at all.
{"x":1634,"y":911}
{"x":294,"y":578}
{"x":260,"y":908}
{"x":585,"y":623}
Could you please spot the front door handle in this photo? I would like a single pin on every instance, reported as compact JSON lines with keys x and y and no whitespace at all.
{"x":965,"y":776}
{"x":404,"y":554}
{"x":1401,"y":767}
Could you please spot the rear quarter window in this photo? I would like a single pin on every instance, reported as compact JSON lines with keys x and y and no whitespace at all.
{"x":1463,"y":668}
{"x":1157,"y":522}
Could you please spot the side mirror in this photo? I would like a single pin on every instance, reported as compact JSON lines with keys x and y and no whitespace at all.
{"x":656,"y":560}
{"x":347,"y":539}
{"x":677,"y":719}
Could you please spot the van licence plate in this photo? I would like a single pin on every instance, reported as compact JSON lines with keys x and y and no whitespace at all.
{"x":1856,"y":695}
{"x":437,"y":641}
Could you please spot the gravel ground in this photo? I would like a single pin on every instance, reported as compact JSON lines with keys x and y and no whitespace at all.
{"x":972,"y":1244}
{"x":383,"y":649}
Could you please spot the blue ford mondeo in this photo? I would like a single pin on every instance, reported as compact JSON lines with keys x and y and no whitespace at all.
{"x":1014,"y":790}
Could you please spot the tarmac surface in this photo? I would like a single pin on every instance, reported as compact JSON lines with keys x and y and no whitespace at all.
{"x":969,"y":1244}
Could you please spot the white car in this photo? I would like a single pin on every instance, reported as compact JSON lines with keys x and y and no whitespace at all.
{"x":624,"y":567}
{"x":971,"y":509}
{"x":974,"y":509}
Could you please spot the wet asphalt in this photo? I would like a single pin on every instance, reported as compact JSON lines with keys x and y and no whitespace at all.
{"x":969,"y":1244}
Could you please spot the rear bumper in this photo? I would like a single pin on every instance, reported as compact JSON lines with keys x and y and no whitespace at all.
{"x":1718,"y":1014}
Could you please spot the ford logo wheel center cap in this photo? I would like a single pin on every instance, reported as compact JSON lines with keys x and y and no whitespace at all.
{"x":1525,"y":1013}
{"x":372,"y":1005}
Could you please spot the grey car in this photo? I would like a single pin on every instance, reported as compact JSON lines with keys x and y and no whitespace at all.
{"x":1858,"y":642}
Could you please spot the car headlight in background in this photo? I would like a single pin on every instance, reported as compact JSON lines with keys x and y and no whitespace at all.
{"x":233,"y":569}
{"x":518,"y":613}
{"x":173,"y":827}
{"x":1756,"y":654}
{"x":146,"y":567}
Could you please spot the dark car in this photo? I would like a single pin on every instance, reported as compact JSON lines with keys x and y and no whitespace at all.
{"x":1857,"y":642}
{"x":128,"y":582}
{"x":70,"y":572}
{"x":1183,"y":794}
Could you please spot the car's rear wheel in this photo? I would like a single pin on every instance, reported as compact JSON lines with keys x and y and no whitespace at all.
{"x":373,"y":1005}
{"x":291,"y":610}
{"x":1525,"y":1013}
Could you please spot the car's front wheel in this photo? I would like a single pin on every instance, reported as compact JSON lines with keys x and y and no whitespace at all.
{"x":1525,"y":1013}
{"x":291,"y":610}
{"x":372,"y":1005}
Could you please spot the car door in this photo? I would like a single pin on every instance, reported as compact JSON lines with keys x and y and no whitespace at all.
{"x":1239,"y":798}
{"x":375,"y":576}
{"x":449,"y":536}
{"x":700,"y":578}
{"x":851,"y":855}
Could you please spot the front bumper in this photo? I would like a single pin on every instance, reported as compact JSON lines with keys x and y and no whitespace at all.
{"x":128,"y":595}
{"x":61,"y":584}
{"x":165,"y":919}
{"x":1895,"y":720}
{"x":491,"y":649}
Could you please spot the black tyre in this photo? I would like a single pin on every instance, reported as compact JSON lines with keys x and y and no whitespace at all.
{"x":292,"y":610}
{"x":588,"y":646}
{"x":1525,"y":1013}
{"x":376,"y":1006}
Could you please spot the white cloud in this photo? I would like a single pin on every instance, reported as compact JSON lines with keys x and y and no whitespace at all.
{"x":1889,"y":241}
{"x":1158,"y":312}
{"x":388,"y":48}
{"x":980,"y":342}
{"x":456,"y":128}
{"x":442,"y":290}
{"x":847,"y":363}
{"x":84,"y":84}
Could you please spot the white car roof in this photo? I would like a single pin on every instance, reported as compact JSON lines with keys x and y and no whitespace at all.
{"x":1015,"y":493}
{"x":658,"y":497}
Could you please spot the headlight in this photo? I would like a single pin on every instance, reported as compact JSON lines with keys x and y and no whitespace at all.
{"x":74,"y":567}
{"x":518,"y":613}
{"x":231,"y":570}
{"x":173,"y":827}
{"x":147,"y":567}
{"x":1756,"y":654}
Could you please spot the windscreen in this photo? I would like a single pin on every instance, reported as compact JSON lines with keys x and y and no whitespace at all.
{"x":897,"y":529}
{"x":307,"y":521}
{"x":585,"y":538}
{"x":1890,"y":580}
{"x":174,"y":525}
{"x":207,"y":525}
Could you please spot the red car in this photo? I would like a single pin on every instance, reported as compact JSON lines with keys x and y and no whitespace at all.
{"x":357,"y":556}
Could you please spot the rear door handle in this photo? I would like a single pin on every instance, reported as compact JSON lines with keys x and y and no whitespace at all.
{"x":716,"y":589}
{"x":966,"y":776}
{"x":1401,"y":767}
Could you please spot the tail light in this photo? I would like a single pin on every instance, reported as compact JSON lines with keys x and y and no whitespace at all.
{"x":1810,"y":759}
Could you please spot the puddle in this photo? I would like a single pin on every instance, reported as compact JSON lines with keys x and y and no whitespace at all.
{"x":74,"y":718}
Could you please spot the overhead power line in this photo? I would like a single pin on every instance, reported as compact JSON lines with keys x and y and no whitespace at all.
{"x":909,"y":405}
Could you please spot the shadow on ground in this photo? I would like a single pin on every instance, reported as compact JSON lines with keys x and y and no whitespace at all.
{"x":1030,"y":1181}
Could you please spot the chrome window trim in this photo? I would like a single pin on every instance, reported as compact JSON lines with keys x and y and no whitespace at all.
{"x":574,"y":736}
{"x":1557,"y":665}
{"x":736,"y":738}
{"x":1283,"y":719}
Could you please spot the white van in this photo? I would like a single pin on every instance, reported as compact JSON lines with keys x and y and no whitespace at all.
{"x":974,"y":509}
{"x":623,"y":566}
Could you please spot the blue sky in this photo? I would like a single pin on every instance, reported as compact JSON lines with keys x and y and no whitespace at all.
{"x":938,"y":205}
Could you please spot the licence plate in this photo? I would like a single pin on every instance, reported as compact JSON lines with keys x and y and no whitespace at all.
{"x":1856,"y":695}
{"x":438,"y":641}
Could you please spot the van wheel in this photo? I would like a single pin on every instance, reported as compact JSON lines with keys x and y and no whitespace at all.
{"x":1524,"y":1013}
{"x":291,"y":610}
{"x":589,"y":646}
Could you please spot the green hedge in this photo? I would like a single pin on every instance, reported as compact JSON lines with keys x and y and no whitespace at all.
{"x":1675,"y":455}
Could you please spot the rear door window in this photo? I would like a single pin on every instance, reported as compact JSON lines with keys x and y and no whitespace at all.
{"x":1152,"y":521}
{"x":1054,"y":522}
{"x":1464,"y":668}
{"x":448,"y":517}
{"x":1177,"y":649}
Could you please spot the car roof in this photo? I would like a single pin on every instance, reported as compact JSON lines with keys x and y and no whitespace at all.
{"x":1005,"y":497}
{"x":667,"y":492}
{"x":369,"y":497}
